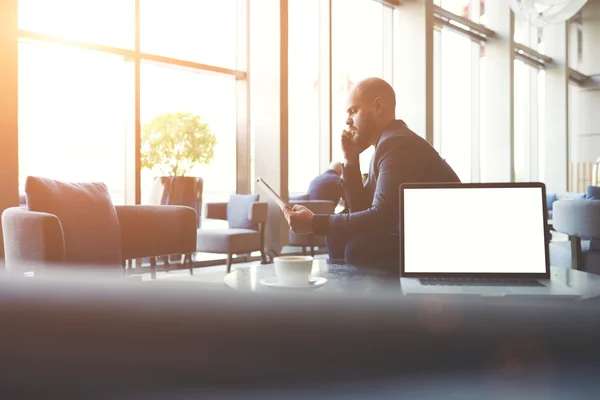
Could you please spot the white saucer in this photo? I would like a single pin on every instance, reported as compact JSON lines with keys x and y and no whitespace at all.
{"x":313,"y":283}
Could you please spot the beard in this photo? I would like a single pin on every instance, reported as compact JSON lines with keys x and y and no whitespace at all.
{"x":363,"y":134}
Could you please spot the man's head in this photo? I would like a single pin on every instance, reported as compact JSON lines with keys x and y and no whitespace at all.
{"x":336,"y":166}
{"x":371,"y":107}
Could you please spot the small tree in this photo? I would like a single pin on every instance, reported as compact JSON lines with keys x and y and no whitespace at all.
{"x":176,"y":142}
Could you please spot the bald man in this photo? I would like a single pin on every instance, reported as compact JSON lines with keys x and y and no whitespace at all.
{"x":368,"y":234}
{"x":325,"y":186}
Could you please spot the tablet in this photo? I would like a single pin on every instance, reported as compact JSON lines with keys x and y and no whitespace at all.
{"x":278,"y":200}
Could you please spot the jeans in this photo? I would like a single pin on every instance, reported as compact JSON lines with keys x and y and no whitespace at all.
{"x":368,"y":250}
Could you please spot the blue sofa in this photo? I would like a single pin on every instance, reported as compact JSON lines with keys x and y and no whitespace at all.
{"x":553,"y":197}
{"x":579,"y":218}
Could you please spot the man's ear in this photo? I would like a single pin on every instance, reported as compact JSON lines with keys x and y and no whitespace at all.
{"x":378,"y":105}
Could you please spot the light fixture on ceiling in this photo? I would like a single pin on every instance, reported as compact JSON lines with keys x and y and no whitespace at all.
{"x":540,"y":13}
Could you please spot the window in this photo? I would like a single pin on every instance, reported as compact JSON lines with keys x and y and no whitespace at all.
{"x":74,"y":115}
{"x":452,"y":92}
{"x":106,"y":22}
{"x":357,"y":53}
{"x":522,"y":120}
{"x":541,"y":95}
{"x":303,"y":94}
{"x":460,"y":7}
{"x":169,"y":89}
{"x":202,"y":31}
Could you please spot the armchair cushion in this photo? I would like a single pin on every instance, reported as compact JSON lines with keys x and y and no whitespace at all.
{"x":89,"y":221}
{"x":237,"y":211}
{"x":592,"y":193}
{"x":550,"y":199}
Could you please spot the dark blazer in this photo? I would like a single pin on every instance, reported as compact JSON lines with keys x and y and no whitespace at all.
{"x":325,"y":187}
{"x":401,"y":156}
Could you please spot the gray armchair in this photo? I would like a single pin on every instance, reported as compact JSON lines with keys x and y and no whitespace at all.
{"x":36,"y":240}
{"x":247,"y":219}
{"x":580,"y":219}
{"x":310,"y":240}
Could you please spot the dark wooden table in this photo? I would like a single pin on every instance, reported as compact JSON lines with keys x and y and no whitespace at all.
{"x":343,"y":278}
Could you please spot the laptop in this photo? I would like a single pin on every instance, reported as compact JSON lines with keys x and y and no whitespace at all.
{"x":487,"y":239}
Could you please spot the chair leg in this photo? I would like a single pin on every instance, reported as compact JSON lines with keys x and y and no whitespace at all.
{"x":312,"y":251}
{"x":153,"y":267}
{"x":304,"y":250}
{"x":263,"y":256}
{"x":166,"y":263}
{"x":188,"y":259}
{"x":575,"y":252}
{"x":229,"y":261}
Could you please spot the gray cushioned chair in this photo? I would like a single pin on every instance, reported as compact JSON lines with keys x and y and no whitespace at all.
{"x":246,"y":217}
{"x":76,"y":224}
{"x":580,"y":219}
{"x":309,"y":240}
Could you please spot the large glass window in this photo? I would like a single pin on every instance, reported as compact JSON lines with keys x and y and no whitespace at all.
{"x":212,"y":97}
{"x":541,"y":112}
{"x":106,"y":22}
{"x":522,"y":122}
{"x":73,"y":115}
{"x":357,"y":53}
{"x":202,"y":31}
{"x":453,"y":97}
{"x":303,"y":94}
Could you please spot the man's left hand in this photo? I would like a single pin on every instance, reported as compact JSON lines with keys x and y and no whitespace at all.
{"x":299,"y":218}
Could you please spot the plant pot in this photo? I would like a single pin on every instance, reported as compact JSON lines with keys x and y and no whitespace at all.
{"x":180,"y":191}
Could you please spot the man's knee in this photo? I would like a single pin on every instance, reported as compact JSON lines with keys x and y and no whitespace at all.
{"x":335,"y":247}
{"x":370,"y":250}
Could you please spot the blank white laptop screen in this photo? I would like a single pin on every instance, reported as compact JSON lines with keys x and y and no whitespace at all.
{"x":474,"y":230}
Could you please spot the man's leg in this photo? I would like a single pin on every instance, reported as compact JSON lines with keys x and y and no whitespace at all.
{"x":376,"y":250}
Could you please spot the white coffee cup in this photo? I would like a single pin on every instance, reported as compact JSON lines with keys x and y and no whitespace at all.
{"x":293,"y":270}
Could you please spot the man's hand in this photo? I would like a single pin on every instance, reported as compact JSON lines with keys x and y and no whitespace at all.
{"x":299,"y":218}
{"x":352,"y":145}
{"x":350,"y":148}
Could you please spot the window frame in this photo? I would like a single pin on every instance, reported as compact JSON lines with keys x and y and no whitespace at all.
{"x":133,"y":159}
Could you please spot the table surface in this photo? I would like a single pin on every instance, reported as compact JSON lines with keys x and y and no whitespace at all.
{"x":343,"y":278}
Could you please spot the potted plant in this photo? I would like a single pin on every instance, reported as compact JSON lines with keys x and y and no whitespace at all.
{"x":172,"y":145}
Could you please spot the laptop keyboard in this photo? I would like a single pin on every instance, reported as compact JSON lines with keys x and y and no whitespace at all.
{"x":479,"y":282}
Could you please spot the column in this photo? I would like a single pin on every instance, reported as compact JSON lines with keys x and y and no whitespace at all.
{"x":555,"y":151}
{"x":9,"y":134}
{"x":585,"y":118}
{"x":497,"y":134}
{"x":243,"y":184}
{"x":413,"y":64}
{"x":268,"y":108}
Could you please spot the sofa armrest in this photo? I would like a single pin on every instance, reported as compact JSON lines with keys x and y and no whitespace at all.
{"x":31,"y":239}
{"x":216,"y":211}
{"x":257,"y":212}
{"x":577,"y":217}
{"x":152,"y":231}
